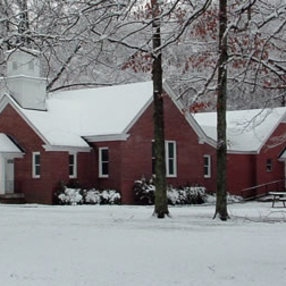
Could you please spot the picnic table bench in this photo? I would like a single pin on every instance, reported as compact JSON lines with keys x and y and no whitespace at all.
{"x":278,"y":197}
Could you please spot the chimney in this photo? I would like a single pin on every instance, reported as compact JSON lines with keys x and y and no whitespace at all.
{"x":23,"y":79}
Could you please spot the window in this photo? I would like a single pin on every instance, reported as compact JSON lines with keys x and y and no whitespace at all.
{"x":72,"y":165}
{"x":269,"y":165}
{"x":153,"y":157}
{"x":207,"y":166}
{"x":171,"y":158}
{"x":103,"y":162}
{"x":36,"y":168}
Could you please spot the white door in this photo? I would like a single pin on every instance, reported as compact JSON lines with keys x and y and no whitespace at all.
{"x":9,"y":176}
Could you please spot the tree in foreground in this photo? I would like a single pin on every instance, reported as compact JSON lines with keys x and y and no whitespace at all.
{"x":161,"y":202}
{"x":221,"y":202}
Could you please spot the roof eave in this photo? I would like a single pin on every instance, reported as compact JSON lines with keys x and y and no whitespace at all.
{"x":107,"y":137}
{"x":65,"y":148}
{"x":12,"y":155}
{"x":7,"y":99}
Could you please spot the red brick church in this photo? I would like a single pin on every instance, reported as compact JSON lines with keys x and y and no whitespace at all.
{"x":103,"y":138}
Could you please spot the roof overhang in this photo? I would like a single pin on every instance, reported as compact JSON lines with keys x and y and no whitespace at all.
{"x":235,"y":152}
{"x":282,"y":155}
{"x":12,"y":155}
{"x":107,"y":137}
{"x":70,"y":149}
{"x":7,"y":99}
{"x":8,"y":148}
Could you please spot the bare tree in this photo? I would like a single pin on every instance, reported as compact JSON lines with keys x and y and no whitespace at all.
{"x":161,"y":203}
{"x":221,"y":201}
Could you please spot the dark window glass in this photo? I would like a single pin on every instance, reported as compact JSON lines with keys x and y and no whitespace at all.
{"x":171,"y":158}
{"x":269,"y":164}
{"x":104,"y":163}
{"x":71,"y":159}
{"x":72,"y":165}
{"x":153,"y":158}
{"x":207,"y":166}
{"x":171,"y":149}
{"x":104,"y":155}
{"x":105,"y":168}
{"x":171,"y":167}
{"x":37,"y":165}
{"x":37,"y":159}
{"x":37,"y":170}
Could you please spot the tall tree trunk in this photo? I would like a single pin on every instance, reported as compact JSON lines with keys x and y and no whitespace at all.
{"x":221,"y":202}
{"x":23,"y":26}
{"x":161,"y":203}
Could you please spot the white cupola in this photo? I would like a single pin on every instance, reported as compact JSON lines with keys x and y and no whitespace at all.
{"x":24,"y":81}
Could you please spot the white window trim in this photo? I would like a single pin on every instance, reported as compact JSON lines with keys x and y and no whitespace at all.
{"x":74,"y":165}
{"x":34,"y":175}
{"x":209,"y":174}
{"x":100,"y":175}
{"x":167,"y":159}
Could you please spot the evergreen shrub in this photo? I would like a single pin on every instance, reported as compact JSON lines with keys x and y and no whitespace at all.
{"x":144,"y":193}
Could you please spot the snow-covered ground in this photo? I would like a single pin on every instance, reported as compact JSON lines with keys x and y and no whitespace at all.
{"x":125,"y":245}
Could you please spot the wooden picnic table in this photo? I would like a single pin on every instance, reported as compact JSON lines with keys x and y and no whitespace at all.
{"x":278,"y":197}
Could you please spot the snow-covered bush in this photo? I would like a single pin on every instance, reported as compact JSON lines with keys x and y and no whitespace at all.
{"x":186,"y":195}
{"x":195,"y":194}
{"x":92,"y":196}
{"x":144,"y":193}
{"x":173,"y":196}
{"x":110,"y":197}
{"x":211,"y":198}
{"x":70,"y":197}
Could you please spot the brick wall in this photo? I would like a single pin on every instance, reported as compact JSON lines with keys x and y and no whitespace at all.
{"x":136,"y":152}
{"x":54,"y":165}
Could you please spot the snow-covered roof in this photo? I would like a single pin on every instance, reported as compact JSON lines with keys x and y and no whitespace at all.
{"x":7,"y":146}
{"x":72,"y":115}
{"x":247,"y":130}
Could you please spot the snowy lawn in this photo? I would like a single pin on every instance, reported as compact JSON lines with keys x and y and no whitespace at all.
{"x":125,"y":245}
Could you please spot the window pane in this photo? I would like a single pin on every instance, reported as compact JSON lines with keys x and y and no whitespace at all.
{"x":153,"y":149}
{"x":206,"y":171}
{"x":37,"y":159}
{"x":71,"y":173}
{"x":37,"y":170}
{"x":71,"y":159}
{"x":171,"y":149}
{"x":207,"y":166}
{"x":104,"y":168}
{"x":171,"y":167}
{"x":206,"y":161}
{"x":104,"y":155}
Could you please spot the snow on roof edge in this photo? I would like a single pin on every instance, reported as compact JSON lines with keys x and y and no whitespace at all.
{"x":254,"y":112}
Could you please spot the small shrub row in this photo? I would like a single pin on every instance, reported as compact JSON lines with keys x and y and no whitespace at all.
{"x":144,"y":192}
{"x":74,"y":196}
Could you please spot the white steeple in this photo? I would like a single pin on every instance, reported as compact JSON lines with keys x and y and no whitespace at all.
{"x":23,"y":79}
